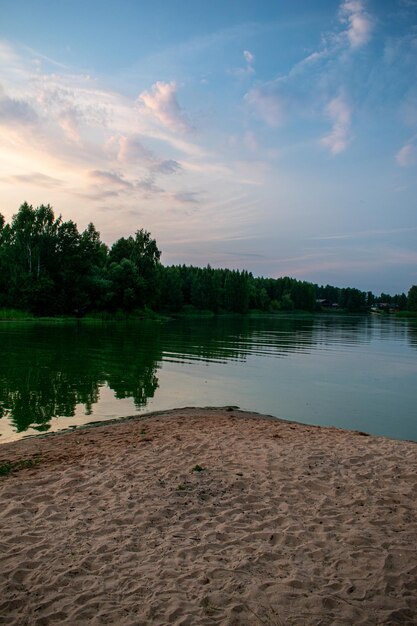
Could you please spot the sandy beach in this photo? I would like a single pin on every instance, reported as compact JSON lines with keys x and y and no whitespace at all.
{"x":208,"y":516}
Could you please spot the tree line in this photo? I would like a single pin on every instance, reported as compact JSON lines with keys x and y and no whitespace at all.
{"x":48,"y":267}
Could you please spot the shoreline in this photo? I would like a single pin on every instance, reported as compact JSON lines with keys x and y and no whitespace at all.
{"x":209,"y":516}
{"x":159,"y":412}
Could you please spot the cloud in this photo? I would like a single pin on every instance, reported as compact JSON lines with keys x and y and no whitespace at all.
{"x":339,"y":112}
{"x":112,"y":152}
{"x":148,"y":185}
{"x":72,"y":102}
{"x":249,"y":57}
{"x":268,"y":106}
{"x":130,"y":149}
{"x":16,"y":111}
{"x":300,"y":91}
{"x":109,"y":178}
{"x":168,"y":166}
{"x":68,"y":120}
{"x":359,"y":23}
{"x":162,"y":103}
{"x":366,"y":234}
{"x":98,"y":195}
{"x":186,"y":197}
{"x":36,"y":178}
{"x":406,"y":156}
{"x":248,"y":69}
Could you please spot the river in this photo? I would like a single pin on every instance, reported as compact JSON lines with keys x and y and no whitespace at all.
{"x":351,"y":372}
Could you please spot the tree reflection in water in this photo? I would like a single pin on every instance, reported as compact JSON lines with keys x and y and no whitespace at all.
{"x":57,"y":369}
{"x":46,"y":370}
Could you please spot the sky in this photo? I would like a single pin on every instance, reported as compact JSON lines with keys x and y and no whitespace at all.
{"x":273,"y":136}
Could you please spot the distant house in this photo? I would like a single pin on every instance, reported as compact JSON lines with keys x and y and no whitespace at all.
{"x":324,"y":302}
{"x":385,"y":307}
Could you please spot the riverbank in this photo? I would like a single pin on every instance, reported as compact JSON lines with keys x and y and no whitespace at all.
{"x":208,"y":516}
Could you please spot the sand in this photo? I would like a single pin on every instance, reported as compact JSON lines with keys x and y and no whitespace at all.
{"x":284,"y":524}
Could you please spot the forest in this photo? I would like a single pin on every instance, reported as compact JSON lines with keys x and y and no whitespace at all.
{"x":49,"y":268}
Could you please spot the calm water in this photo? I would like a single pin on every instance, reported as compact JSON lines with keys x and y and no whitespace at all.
{"x":358,"y":373}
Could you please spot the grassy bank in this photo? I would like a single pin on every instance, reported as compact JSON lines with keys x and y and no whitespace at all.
{"x":410,"y":314}
{"x":14,"y":315}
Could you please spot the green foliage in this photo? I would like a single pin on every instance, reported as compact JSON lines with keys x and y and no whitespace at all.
{"x":353,"y":300}
{"x":411,"y":314}
{"x":412,"y":299}
{"x":48,"y":268}
{"x":14,"y":314}
{"x":287,"y":303}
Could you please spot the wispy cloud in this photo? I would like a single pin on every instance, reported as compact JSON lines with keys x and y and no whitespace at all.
{"x":124,"y":142}
{"x":339,"y":112}
{"x":186,"y":197}
{"x":69,"y":120}
{"x":36,"y":178}
{"x":130,"y":149}
{"x":161,"y":101}
{"x":109,"y":178}
{"x":249,"y":57}
{"x":356,"y":261}
{"x":149,"y":186}
{"x":407,"y":155}
{"x":249,"y":67}
{"x":300,"y":92}
{"x":267,"y":105}
{"x":367,"y":234}
{"x":358,"y":22}
{"x":169,"y":166}
{"x":16,"y":111}
{"x":98,"y":142}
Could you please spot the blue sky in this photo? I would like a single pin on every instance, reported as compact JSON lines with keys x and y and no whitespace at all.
{"x":279,"y":137}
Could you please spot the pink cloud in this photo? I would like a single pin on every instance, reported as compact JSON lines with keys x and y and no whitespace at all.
{"x":131,"y":149}
{"x":359,"y":23}
{"x":339,"y":112}
{"x":162,"y":103}
{"x":406,"y":156}
{"x":109,"y":178}
{"x":16,"y":111}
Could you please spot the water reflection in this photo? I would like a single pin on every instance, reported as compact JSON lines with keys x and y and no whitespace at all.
{"x":412,"y":334}
{"x":54,"y":369}
{"x":47,"y":370}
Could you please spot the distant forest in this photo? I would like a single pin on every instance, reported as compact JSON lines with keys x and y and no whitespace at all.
{"x":47,"y":267}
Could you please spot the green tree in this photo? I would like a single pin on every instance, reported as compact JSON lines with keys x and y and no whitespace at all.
{"x":31,"y":258}
{"x":412,"y":298}
{"x":127,"y":286}
{"x":401,"y":301}
{"x":287,"y":303}
{"x":370,"y":299}
{"x":143,"y":253}
{"x":303,"y":296}
{"x":236,"y":291}
{"x":171,"y":295}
